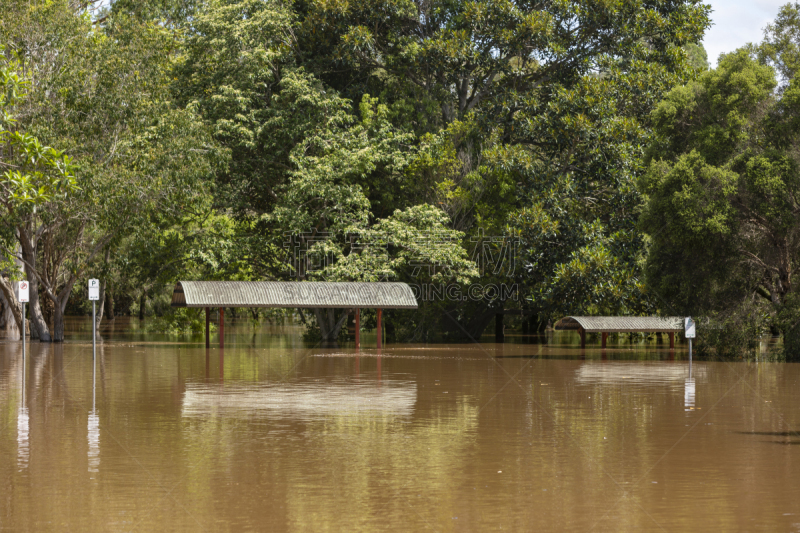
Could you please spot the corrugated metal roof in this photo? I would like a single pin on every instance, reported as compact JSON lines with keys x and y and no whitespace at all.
{"x":292,"y":294}
{"x":620,"y":324}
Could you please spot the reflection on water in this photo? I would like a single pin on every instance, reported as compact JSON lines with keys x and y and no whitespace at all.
{"x":93,"y":431}
{"x":637,"y":372}
{"x":689,"y":393}
{"x":276,"y":435}
{"x":23,"y":443}
{"x":301,"y":400}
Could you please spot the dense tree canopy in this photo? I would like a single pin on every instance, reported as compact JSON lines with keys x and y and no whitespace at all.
{"x":472,"y":142}
{"x":723,"y":188}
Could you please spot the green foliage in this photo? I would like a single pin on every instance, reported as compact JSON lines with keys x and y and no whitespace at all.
{"x":33,"y":174}
{"x":139,"y":161}
{"x":697,"y":56}
{"x":180,"y":320}
{"x":781,"y":46}
{"x":387,"y":138}
{"x":732,"y":335}
{"x":722,"y":192}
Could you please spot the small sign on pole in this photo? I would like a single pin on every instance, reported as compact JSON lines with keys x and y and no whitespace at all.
{"x":23,"y":296}
{"x":689,"y":328}
{"x":94,"y":295}
{"x":94,"y":289}
{"x":23,"y":292}
{"x":689,"y":332}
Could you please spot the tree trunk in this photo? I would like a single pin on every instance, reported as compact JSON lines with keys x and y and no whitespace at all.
{"x":39,"y":329}
{"x":58,"y":324}
{"x":329,"y":327}
{"x":48,"y":312}
{"x":102,"y":299}
{"x":11,"y":309}
{"x":60,"y":304}
{"x":142,"y":305}
{"x":109,"y":304}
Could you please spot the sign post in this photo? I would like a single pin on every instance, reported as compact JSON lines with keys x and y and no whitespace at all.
{"x":94,"y":295}
{"x":689,"y":331}
{"x":23,"y":296}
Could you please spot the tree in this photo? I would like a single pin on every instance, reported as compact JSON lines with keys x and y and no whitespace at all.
{"x":106,"y":100}
{"x":303,"y":161}
{"x":723,"y":191}
{"x":532,"y":122}
{"x":33,"y":175}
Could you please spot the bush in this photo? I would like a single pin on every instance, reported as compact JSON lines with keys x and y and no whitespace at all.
{"x":732,"y":336}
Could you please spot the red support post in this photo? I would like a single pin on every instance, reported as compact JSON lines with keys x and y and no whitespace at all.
{"x":672,"y":340}
{"x":380,"y":326}
{"x":221,"y":327}
{"x":208,"y":340}
{"x":358,"y":328}
{"x":604,"y":337}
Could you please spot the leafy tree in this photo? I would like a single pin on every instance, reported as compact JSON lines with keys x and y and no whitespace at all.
{"x":723,"y":212}
{"x":303,"y":161}
{"x":33,"y":175}
{"x":106,"y":101}
{"x":532,"y":120}
{"x":698,"y":58}
{"x":781,"y":46}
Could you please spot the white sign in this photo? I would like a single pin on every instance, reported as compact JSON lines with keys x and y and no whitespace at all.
{"x":23,"y":291}
{"x":94,"y":289}
{"x":689,"y":328}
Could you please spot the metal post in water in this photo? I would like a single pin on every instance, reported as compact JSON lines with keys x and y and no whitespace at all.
{"x":94,"y":331}
{"x":94,"y":383}
{"x":23,"y":354}
{"x":690,"y":358}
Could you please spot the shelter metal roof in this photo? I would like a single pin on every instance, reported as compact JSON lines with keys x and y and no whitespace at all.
{"x":620,"y":324}
{"x":293,"y":294}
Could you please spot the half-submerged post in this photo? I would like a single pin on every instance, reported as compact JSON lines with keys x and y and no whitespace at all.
{"x":208,"y":340}
{"x":23,"y":296}
{"x":94,"y":295}
{"x":221,"y":328}
{"x":583,"y":338}
{"x":604,"y":336}
{"x":380,"y":326}
{"x":358,"y":328}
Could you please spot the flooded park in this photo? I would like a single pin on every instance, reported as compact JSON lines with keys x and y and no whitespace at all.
{"x":273,"y":433}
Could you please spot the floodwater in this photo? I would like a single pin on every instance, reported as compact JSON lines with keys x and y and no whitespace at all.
{"x":273,"y":435}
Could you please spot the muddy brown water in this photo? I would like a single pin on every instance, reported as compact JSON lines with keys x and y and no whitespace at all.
{"x":275,"y":435}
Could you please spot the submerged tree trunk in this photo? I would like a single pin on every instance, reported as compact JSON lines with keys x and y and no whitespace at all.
{"x":39,"y":329}
{"x":58,"y":324}
{"x":60,"y":304}
{"x":329,"y":326}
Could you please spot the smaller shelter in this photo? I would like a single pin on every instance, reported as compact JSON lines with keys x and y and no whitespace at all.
{"x":620,"y":324}
{"x":293,"y":294}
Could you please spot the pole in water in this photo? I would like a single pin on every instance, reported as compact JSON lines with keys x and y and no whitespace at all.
{"x":94,"y":295}
{"x":94,"y":383}
{"x":23,"y":333}
{"x":94,"y":331}
{"x":689,"y":333}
